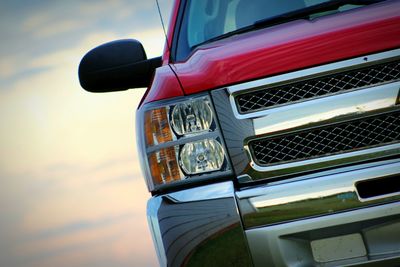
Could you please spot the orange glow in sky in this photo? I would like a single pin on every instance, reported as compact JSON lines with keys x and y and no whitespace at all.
{"x":71,"y":191}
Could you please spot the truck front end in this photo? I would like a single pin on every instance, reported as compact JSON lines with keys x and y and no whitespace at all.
{"x":270,"y":134}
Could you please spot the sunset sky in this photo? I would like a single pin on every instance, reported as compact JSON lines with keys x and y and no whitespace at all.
{"x":71,"y":191}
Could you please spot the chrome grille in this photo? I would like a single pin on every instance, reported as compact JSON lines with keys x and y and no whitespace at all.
{"x":321,"y":86}
{"x":328,"y":140}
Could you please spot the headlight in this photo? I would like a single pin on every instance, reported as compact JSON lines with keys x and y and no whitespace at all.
{"x":192,"y":116}
{"x":180,"y":142}
{"x":202,"y":156}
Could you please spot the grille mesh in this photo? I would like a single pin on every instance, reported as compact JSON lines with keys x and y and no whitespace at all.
{"x":328,"y":140}
{"x":265,"y":98}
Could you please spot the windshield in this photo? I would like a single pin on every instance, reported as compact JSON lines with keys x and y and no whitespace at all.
{"x":205,"y":20}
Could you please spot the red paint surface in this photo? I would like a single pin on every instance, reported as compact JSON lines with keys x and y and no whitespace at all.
{"x":165,"y":85}
{"x":291,"y":46}
{"x":279,"y":49}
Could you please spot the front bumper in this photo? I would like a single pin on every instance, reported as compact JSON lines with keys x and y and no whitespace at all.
{"x":198,"y":227}
{"x":315,"y":220}
{"x":294,"y":243}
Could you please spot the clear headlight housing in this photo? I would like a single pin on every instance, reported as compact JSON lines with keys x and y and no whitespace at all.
{"x":192,"y":117}
{"x":202,"y":156}
{"x":180,"y":142}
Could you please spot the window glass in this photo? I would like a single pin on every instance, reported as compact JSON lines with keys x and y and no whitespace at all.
{"x":206,"y":19}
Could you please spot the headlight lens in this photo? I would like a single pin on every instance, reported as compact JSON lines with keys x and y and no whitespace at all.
{"x":202,"y":156}
{"x":180,"y":141}
{"x":192,"y":116}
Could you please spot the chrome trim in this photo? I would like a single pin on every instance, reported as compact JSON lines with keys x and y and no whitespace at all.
{"x":314,"y":197}
{"x":192,"y":226}
{"x":153,"y":204}
{"x":314,"y":112}
{"x":376,"y":198}
{"x":325,"y":161}
{"x":327,"y":108}
{"x":358,"y":62}
{"x":288,"y":244}
{"x":208,"y":192}
{"x":260,"y":190}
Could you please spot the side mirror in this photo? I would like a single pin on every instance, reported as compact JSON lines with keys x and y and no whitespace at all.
{"x":117,"y":66}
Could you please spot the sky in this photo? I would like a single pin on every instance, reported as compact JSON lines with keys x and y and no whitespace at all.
{"x":71,"y":190}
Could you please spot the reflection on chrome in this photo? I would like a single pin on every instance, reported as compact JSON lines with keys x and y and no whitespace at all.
{"x":311,"y":197}
{"x":152,"y":207}
{"x":304,"y":114}
{"x":304,"y":74}
{"x":262,"y":202}
{"x":207,"y":192}
{"x":198,"y":227}
{"x":329,"y":108}
{"x":261,"y":172}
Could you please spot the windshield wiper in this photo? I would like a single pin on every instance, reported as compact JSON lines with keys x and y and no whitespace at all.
{"x":303,"y":13}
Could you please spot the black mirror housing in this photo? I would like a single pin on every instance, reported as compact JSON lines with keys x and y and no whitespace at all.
{"x":117,"y":66}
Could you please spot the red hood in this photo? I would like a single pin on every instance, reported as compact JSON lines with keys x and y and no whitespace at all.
{"x":291,"y":46}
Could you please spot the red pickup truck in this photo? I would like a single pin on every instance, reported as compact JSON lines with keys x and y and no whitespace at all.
{"x":270,"y":131}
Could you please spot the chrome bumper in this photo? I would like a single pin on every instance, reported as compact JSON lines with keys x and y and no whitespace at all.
{"x":282,"y":224}
{"x":309,"y":196}
{"x":323,"y":221}
{"x":291,"y":244}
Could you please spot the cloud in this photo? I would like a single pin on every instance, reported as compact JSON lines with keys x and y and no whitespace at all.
{"x":37,"y":20}
{"x":55,"y":20}
{"x":53,"y":31}
{"x":52,"y":224}
{"x":78,"y":226}
{"x":88,"y":243}
{"x":122,"y":9}
{"x":58,"y":28}
{"x":71,"y":191}
{"x":50,"y":105}
{"x":8,"y":67}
